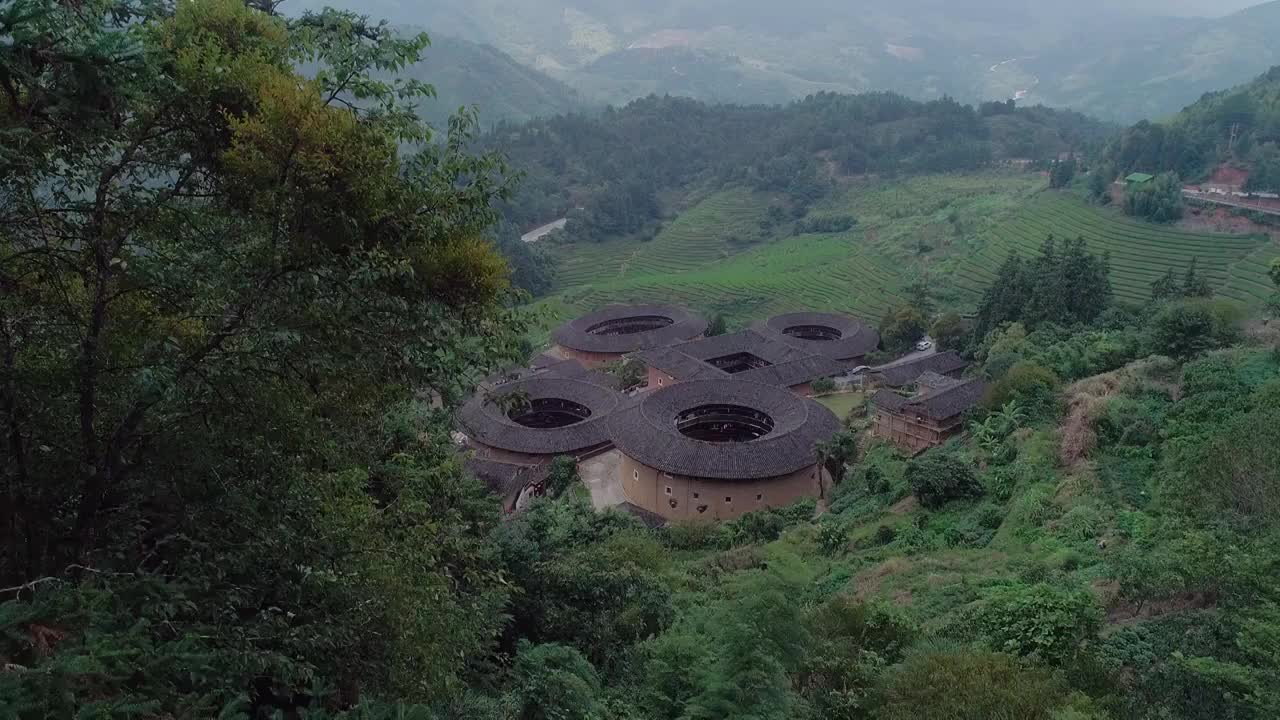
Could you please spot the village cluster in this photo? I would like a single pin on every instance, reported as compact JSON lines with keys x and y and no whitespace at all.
{"x":718,"y":427}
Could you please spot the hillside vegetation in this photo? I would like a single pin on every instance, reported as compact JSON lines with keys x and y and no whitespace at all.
{"x":1198,"y":139}
{"x":237,"y":312}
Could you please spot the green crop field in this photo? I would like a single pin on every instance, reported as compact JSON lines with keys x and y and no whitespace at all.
{"x":951,"y":230}
{"x":1140,"y":252}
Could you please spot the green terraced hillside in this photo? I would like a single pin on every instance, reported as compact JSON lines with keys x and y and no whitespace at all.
{"x":952,"y":230}
{"x":1140,"y":252}
{"x":719,"y":226}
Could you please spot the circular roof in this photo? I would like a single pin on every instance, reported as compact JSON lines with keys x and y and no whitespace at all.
{"x":832,"y":335}
{"x":629,"y":328}
{"x":649,"y":431}
{"x":489,"y":422}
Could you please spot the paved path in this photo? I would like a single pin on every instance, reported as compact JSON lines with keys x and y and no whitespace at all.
{"x":600,"y":475}
{"x":537,"y":234}
{"x":1224,"y":200}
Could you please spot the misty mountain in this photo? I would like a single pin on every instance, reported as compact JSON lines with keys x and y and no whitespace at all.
{"x":1118,"y":61}
{"x":472,"y":74}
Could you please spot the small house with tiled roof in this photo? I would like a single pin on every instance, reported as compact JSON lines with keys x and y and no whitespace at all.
{"x":930,"y":417}
{"x":905,"y":373}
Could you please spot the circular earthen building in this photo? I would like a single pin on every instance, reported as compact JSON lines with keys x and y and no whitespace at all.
{"x":718,"y":449}
{"x":530,"y":422}
{"x":609,"y":334}
{"x":831,"y":335}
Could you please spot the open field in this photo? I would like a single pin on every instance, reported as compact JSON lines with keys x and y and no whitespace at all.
{"x":843,"y":403}
{"x":951,"y":230}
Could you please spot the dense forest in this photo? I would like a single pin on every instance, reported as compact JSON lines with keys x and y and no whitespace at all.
{"x":618,"y":164}
{"x":1240,"y":126}
{"x":235,"y":317}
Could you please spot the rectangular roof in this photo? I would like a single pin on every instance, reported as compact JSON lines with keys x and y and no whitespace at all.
{"x":1139,"y":177}
{"x":942,"y":404}
{"x":908,"y":372}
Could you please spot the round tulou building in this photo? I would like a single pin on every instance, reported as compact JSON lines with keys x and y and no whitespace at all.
{"x":530,"y":422}
{"x":608,"y":334}
{"x":830,"y":335}
{"x":718,"y":449}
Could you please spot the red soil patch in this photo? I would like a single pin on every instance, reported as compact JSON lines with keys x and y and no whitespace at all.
{"x":1222,"y":220}
{"x":1227,"y":175}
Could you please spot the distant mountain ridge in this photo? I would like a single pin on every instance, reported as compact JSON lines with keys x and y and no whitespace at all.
{"x":471,"y":74}
{"x":1117,"y":61}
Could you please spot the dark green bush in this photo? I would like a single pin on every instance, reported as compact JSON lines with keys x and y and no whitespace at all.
{"x":938,"y":477}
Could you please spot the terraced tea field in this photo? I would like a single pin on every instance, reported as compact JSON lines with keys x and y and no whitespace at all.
{"x":954,"y":230}
{"x":1140,"y":252}
{"x":712,"y":230}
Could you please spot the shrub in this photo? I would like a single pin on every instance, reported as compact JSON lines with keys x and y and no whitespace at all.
{"x":1038,"y":621}
{"x":885,"y":535}
{"x":938,"y":477}
{"x":961,"y":684}
{"x":555,"y":682}
{"x":1031,"y":386}
{"x":823,"y":385}
{"x":1186,"y":328}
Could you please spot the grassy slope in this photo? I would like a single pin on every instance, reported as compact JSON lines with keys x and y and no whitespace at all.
{"x":695,"y":261}
{"x":953,"y":230}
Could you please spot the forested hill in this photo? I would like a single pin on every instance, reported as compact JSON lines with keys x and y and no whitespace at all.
{"x":470,"y":74}
{"x":617,"y":164}
{"x":1199,"y":138}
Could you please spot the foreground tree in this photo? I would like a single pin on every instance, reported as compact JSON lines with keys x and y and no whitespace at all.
{"x":218,"y":277}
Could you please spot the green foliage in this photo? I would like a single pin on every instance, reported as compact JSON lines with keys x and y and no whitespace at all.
{"x":1064,"y":285}
{"x":554,"y":682}
{"x":1037,"y":621}
{"x":950,"y":331}
{"x":1159,"y":200}
{"x":940,"y":476}
{"x":946,"y":684}
{"x":901,"y":327}
{"x":762,"y":526}
{"x":1062,"y":173}
{"x":563,"y":475}
{"x":1184,"y":329}
{"x":851,"y":644}
{"x":1028,"y":386}
{"x":823,"y":385}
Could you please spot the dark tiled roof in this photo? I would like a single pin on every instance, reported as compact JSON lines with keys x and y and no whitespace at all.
{"x":645,"y":430}
{"x":795,"y":372}
{"x":502,"y":478}
{"x":560,"y":368}
{"x":941,"y":404}
{"x":933,"y":381}
{"x":648,"y":517}
{"x":748,"y":341}
{"x":576,"y":334}
{"x":679,"y":365}
{"x":789,"y":366}
{"x":901,"y":373}
{"x":856,"y":338}
{"x":486,"y":423}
